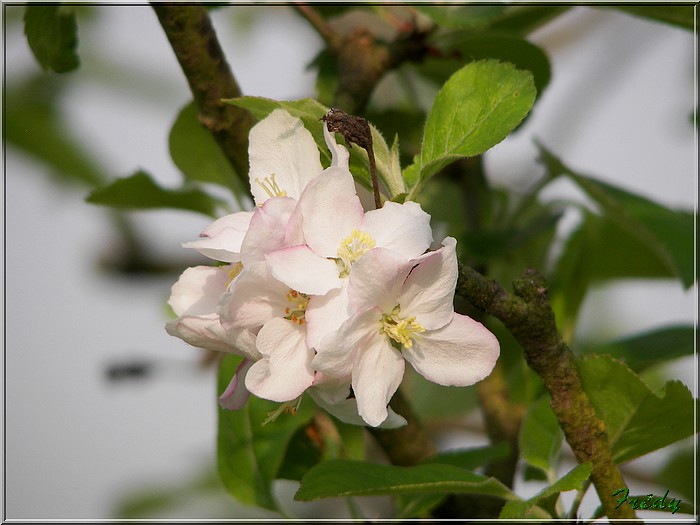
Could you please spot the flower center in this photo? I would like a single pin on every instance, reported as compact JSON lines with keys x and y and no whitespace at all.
{"x":296,"y":311}
{"x":352,"y":248}
{"x":270,"y":186}
{"x":401,"y":329}
{"x":233,"y":272}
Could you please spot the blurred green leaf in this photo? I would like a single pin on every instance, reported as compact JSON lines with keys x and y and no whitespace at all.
{"x":196,"y":153}
{"x":454,"y":401}
{"x":249,"y":453}
{"x":669,"y":233}
{"x":573,"y":480}
{"x":52,"y":33}
{"x":34,"y":124}
{"x":678,"y":473}
{"x":541,"y":437}
{"x":650,"y":348}
{"x":677,"y":15}
{"x":357,"y":478}
{"x":638,"y":420}
{"x":523,"y":54}
{"x":523,"y":19}
{"x":470,"y":458}
{"x":140,"y":191}
{"x":462,"y":16}
{"x":475,"y":110}
{"x":326,"y":76}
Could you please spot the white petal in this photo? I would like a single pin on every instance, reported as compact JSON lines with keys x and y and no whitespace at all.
{"x":236,"y":394}
{"x":198,"y":290}
{"x":325,"y":313}
{"x":403,"y":228}
{"x":280,"y":145}
{"x":285,"y":371}
{"x":222,"y":239}
{"x":428,"y":292}
{"x":376,"y":377}
{"x":459,"y":354}
{"x":338,"y":350}
{"x":268,"y":230}
{"x":339,"y":154}
{"x":331,"y":210}
{"x":376,"y":279}
{"x":254,"y":298}
{"x":301,"y":269}
{"x":346,"y":411}
{"x":207,"y":332}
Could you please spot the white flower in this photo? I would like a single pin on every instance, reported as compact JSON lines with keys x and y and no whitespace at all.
{"x":404,"y":311}
{"x":258,"y":301}
{"x":337,"y":233}
{"x":194,"y":299}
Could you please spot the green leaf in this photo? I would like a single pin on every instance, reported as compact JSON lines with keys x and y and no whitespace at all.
{"x":462,"y":16}
{"x":52,"y":33}
{"x":638,"y":420}
{"x":573,"y":480}
{"x":524,"y":19}
{"x":249,"y":453}
{"x":357,"y":478}
{"x":34,"y":124}
{"x":475,"y":110}
{"x":140,"y":191}
{"x":669,"y":233}
{"x":471,"y":458}
{"x":521,"y":53}
{"x":678,"y":15}
{"x":643,"y":350}
{"x":196,"y":153}
{"x":541,"y":437}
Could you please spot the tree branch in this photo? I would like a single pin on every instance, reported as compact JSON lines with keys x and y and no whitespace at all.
{"x":193,"y":39}
{"x":529,"y":317}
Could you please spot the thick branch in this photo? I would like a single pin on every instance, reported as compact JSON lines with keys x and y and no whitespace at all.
{"x":529,"y":317}
{"x":194,"y":41}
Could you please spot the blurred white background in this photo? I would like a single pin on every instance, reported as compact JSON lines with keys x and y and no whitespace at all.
{"x":618,"y":107}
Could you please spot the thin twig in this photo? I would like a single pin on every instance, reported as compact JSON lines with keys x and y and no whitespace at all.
{"x":325,"y":31}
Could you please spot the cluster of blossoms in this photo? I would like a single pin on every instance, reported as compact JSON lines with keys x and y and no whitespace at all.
{"x":322,"y":297}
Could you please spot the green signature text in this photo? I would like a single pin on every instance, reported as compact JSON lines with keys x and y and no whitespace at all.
{"x":647,"y":502}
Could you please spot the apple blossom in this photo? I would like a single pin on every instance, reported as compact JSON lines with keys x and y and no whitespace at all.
{"x":403,"y":312}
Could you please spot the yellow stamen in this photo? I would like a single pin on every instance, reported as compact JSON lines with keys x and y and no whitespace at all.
{"x":403,"y":330}
{"x":233,"y":272}
{"x":270,"y":186}
{"x":352,"y":248}
{"x":296,"y":311}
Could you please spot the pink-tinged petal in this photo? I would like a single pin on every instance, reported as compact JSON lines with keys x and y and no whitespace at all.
{"x":282,"y":147}
{"x":403,"y":228}
{"x":325,"y":313}
{"x":285,"y":371}
{"x":376,"y":377}
{"x":331,"y":210}
{"x":459,"y":354}
{"x":338,"y":350}
{"x":346,"y":411}
{"x":198,"y":290}
{"x":254,"y":298}
{"x":428,"y":292}
{"x":267,"y":230}
{"x":206,"y":332}
{"x":236,"y":394}
{"x":376,"y":279}
{"x":339,"y":154}
{"x":303,"y":270}
{"x":222,"y":239}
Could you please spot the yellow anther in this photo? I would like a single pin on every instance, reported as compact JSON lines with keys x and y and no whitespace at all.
{"x":233,"y":272}
{"x":403,"y":330}
{"x":270,"y":186}
{"x":352,"y":248}
{"x":296,"y":311}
